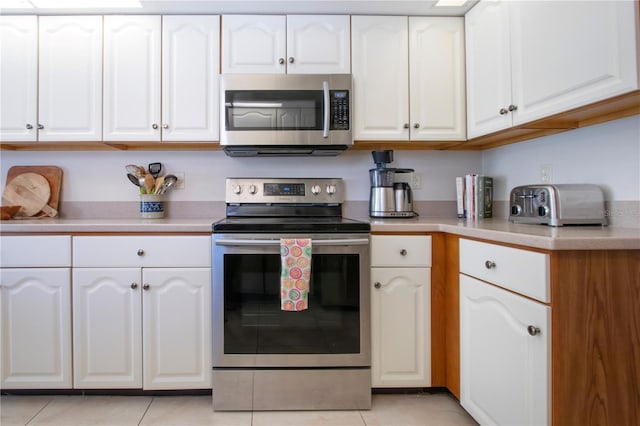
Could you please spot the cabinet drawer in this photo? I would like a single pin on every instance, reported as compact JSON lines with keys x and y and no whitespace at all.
{"x":39,"y":251}
{"x":401,"y":250}
{"x":142,"y":251}
{"x":525,"y":272}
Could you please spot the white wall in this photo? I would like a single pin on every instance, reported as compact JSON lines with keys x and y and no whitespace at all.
{"x":605,"y":154}
{"x":101,"y":176}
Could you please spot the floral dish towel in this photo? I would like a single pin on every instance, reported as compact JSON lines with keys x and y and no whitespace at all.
{"x":296,"y":273}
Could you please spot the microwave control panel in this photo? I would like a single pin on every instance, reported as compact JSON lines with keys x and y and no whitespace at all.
{"x":339,"y":109}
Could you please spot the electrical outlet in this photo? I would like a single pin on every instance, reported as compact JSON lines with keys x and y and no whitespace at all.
{"x":181,"y":182}
{"x":546,"y":173}
{"x":416,"y":182}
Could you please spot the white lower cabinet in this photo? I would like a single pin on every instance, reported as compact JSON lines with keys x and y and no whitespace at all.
{"x":148,"y":326}
{"x":505,"y":344}
{"x":400,"y":311}
{"x":35,"y":312}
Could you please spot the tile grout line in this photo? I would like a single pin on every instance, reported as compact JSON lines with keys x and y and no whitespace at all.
{"x":146,"y":410}
{"x":39,"y":411}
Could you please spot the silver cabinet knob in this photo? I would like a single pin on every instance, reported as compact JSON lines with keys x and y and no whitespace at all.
{"x":503,"y":111}
{"x":403,"y":252}
{"x":40,"y":126}
{"x":290,"y":59}
{"x":489,"y":264}
{"x":406,"y":125}
{"x":416,"y":126}
{"x":281,"y":61}
{"x":533,"y":330}
{"x":134,"y":285}
{"x":154,"y":126}
{"x":140,"y":252}
{"x":165,"y":126}
{"x":512,"y":108}
{"x":146,"y":286}
{"x":29,"y":127}
{"x":377,"y":285}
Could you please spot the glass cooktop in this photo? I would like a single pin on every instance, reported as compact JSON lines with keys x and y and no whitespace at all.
{"x":297,"y":224}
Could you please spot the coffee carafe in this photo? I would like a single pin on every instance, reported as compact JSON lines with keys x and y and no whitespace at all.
{"x":389,"y":198}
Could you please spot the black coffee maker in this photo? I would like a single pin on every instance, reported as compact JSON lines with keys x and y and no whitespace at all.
{"x":389,"y":198}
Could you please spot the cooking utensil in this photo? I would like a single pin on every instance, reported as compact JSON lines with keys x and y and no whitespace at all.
{"x":158,"y":184}
{"x":149,"y":183}
{"x":135,"y":170}
{"x":169,"y":180}
{"x":155,"y":169}
{"x":32,"y":192}
{"x":134,"y":180}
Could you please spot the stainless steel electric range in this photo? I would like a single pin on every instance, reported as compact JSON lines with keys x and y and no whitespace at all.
{"x":266,"y":358}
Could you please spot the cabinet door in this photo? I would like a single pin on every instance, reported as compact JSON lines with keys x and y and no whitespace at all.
{"x":18,"y":78}
{"x":488,"y":63}
{"x":253,"y":44}
{"x":177,"y":328}
{"x":132,"y":78}
{"x":318,"y":44}
{"x":190,"y":65}
{"x":35,"y":308}
{"x":504,"y":370}
{"x":401,"y":327}
{"x":107,"y":333}
{"x":568,"y":54}
{"x":380,"y":65}
{"x":437,"y":79}
{"x":70,"y":80}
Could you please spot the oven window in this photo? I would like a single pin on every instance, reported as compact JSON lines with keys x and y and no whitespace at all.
{"x":254,"y":323}
{"x":273,"y":109}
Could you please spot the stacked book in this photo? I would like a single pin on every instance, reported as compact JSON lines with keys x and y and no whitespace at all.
{"x":474,"y":196}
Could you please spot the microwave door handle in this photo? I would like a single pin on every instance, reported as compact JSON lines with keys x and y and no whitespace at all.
{"x":325,"y":91}
{"x":336,"y":242}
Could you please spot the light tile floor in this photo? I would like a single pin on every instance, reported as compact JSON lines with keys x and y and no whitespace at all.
{"x":424,"y":409}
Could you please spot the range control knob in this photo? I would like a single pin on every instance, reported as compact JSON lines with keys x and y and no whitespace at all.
{"x":237,"y":189}
{"x":253,"y":189}
{"x":331,"y":189}
{"x":315,"y":189}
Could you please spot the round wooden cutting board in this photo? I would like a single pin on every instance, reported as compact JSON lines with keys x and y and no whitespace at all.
{"x":29,"y":190}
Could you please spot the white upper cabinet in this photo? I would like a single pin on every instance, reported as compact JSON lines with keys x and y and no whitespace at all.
{"x":70,"y":78}
{"x":296,"y":44}
{"x":18,"y":78}
{"x":318,"y":44}
{"x":408,"y":78}
{"x":530,"y":60}
{"x":253,"y":44}
{"x":436,"y":79}
{"x":132,"y":78}
{"x":380,"y":66}
{"x":161,"y":78}
{"x":190,"y":69}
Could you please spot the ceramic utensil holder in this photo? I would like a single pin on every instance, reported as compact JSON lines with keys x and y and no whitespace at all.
{"x":151,"y":206}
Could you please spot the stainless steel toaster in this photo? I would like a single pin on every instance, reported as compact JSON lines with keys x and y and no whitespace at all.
{"x":558,"y":205}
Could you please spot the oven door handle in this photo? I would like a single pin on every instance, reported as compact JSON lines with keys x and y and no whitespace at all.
{"x":336,"y":242}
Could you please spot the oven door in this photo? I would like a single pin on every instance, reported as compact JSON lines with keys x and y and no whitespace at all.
{"x":250,"y":329}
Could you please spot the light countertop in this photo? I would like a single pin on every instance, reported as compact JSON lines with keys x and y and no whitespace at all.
{"x":498,"y":230}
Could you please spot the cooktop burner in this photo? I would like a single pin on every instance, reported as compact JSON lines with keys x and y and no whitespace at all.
{"x":290,"y":225}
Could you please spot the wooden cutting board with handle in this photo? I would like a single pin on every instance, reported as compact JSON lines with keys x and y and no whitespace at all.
{"x":53,"y":175}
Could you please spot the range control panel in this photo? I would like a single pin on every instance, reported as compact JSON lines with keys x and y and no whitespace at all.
{"x":284,"y":190}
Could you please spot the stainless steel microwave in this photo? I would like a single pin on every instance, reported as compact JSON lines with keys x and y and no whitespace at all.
{"x":285,"y":114}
